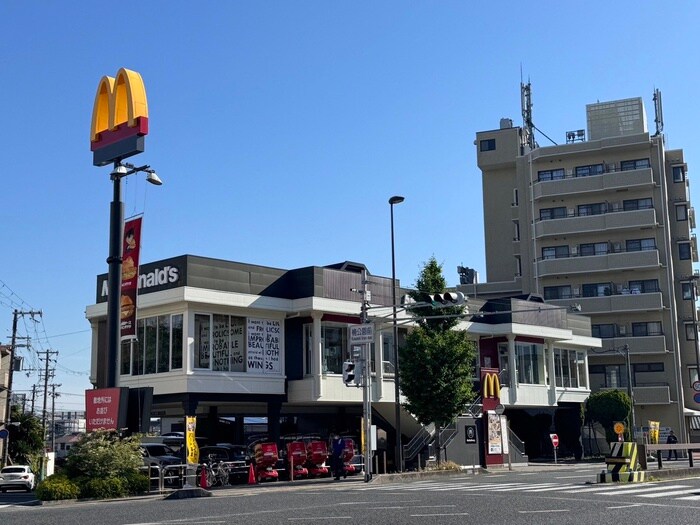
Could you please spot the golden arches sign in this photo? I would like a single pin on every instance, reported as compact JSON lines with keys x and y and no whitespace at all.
{"x":119,"y":117}
{"x":491,"y":385}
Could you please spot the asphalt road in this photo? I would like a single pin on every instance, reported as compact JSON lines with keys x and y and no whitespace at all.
{"x":558,"y":495}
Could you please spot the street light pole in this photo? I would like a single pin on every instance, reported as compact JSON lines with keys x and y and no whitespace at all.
{"x":114,"y":260}
{"x":114,"y":277}
{"x":629,"y":388}
{"x":396,"y":199}
{"x":694,"y":280}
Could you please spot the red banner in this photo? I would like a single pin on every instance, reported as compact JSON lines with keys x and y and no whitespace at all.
{"x":130,"y":277}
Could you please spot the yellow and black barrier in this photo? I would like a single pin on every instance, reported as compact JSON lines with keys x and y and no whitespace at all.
{"x":622,"y":464}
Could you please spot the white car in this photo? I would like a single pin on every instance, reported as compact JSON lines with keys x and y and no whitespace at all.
{"x":17,"y":477}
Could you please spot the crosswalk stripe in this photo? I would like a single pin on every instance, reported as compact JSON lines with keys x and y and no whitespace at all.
{"x":671,"y":493}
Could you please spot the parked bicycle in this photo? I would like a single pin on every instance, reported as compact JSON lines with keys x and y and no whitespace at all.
{"x":216,"y":472}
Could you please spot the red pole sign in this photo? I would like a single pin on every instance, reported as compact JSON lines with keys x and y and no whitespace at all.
{"x":555,"y":440}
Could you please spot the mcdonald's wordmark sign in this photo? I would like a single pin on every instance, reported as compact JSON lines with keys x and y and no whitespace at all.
{"x":119,"y":118}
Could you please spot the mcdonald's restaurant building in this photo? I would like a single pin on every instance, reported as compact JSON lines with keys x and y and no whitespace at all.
{"x":228,"y":341}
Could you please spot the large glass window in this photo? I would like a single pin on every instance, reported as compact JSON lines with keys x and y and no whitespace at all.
{"x":557,"y":292}
{"x":637,"y":204}
{"x":608,"y":376}
{"x":567,"y":363}
{"x":553,"y":213}
{"x":684,"y":250}
{"x":202,"y":330}
{"x":636,"y":164}
{"x":591,"y":169}
{"x":555,"y":252}
{"x":335,"y":348}
{"x":597,"y":208}
{"x":687,"y":291}
{"x":603,"y":331}
{"x":636,"y":245}
{"x":646,"y":329}
{"x":678,"y":173}
{"x":545,"y":175}
{"x":644,"y":286}
{"x":596,"y":289}
{"x":530,"y":363}
{"x":593,"y":248}
{"x":157,"y":349}
{"x":487,"y":145}
{"x":681,"y":212}
{"x":389,"y":362}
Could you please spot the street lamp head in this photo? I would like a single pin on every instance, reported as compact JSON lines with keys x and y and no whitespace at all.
{"x":396,"y":199}
{"x":153,"y":178}
{"x":118,"y":172}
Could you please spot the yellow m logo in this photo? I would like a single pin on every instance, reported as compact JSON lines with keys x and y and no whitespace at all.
{"x":491,"y":386}
{"x":119,"y":117}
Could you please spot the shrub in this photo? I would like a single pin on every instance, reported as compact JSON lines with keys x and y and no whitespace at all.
{"x":104,"y":488}
{"x":57,"y":487}
{"x":446,"y":465}
{"x":102,"y":455}
{"x":136,"y":483}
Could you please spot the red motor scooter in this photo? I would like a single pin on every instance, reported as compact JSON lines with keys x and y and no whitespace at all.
{"x":265,"y":457}
{"x":296,"y":458}
{"x":317,"y":455}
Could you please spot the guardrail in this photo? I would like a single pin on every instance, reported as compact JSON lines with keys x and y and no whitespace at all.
{"x":687,"y":447}
{"x":172,"y":476}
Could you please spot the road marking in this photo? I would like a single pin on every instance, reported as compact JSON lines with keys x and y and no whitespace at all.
{"x":554,"y":488}
{"x":624,"y":506}
{"x":672,"y":493}
{"x":321,"y":518}
{"x":541,"y":511}
{"x":448,"y":514}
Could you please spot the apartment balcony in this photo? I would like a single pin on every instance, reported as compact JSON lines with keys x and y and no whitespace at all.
{"x":539,"y":396}
{"x":575,"y":223}
{"x":652,"y":395}
{"x":647,"y":259}
{"x":606,"y":182}
{"x":643,"y":302}
{"x":643,"y":345}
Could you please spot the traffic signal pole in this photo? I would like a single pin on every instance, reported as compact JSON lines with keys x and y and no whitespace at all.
{"x":366,"y":388}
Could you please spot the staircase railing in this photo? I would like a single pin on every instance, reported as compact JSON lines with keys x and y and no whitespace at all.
{"x":421,"y":439}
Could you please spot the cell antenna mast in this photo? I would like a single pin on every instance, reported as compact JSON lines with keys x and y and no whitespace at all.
{"x":658,"y":112}
{"x":526,"y":109}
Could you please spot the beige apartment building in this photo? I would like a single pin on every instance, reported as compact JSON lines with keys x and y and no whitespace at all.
{"x":603,"y":223}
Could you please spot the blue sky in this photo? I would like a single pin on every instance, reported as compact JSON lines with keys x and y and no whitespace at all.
{"x":281,"y":129}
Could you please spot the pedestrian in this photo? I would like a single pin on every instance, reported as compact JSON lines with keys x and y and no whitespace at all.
{"x":672,"y":440}
{"x":337,"y":449}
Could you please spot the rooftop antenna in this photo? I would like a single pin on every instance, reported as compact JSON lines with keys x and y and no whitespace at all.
{"x":658,"y":112}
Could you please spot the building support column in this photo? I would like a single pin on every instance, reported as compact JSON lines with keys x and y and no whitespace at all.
{"x":549,"y":346}
{"x":512,"y":371}
{"x":317,"y":356}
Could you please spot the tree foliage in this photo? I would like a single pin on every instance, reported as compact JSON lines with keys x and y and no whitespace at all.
{"x":26,"y":438}
{"x":606,"y":407}
{"x":437,"y":361}
{"x":103,"y":454}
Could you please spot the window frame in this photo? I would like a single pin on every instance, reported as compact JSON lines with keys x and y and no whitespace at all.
{"x":487,"y":145}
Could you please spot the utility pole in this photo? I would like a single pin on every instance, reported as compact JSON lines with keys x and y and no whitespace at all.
{"x":8,"y":406}
{"x":48,"y":373}
{"x":54,"y":395}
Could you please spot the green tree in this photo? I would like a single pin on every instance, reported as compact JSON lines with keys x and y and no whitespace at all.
{"x":437,"y":361}
{"x":606,"y":407}
{"x":102,"y":455}
{"x":26,"y":438}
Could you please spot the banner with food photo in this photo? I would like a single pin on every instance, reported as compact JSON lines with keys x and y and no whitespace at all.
{"x":130,"y":276}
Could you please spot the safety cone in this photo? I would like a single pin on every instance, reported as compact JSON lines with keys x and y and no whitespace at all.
{"x":203,"y":479}
{"x":251,"y":475}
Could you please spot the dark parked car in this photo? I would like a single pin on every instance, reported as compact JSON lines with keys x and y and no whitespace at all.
{"x":163,"y":457}
{"x":235,"y":457}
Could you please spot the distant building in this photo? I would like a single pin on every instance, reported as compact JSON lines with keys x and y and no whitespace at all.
{"x":603,"y":222}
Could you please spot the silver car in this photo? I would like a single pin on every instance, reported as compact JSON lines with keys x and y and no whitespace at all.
{"x":17,"y":477}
